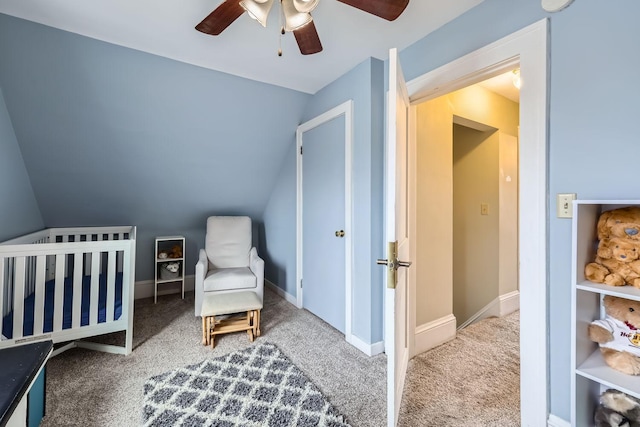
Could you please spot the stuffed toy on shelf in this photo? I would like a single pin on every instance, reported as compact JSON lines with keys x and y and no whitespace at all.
{"x":617,"y":261}
{"x":617,"y":409}
{"x":618,"y":334}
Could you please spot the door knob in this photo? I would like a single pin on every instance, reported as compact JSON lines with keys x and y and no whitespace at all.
{"x":392,"y":263}
{"x":340,"y":233}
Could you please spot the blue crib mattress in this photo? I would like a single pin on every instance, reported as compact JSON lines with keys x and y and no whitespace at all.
{"x":29,"y":303}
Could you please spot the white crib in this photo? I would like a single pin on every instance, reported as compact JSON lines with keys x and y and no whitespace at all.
{"x":66,"y":284}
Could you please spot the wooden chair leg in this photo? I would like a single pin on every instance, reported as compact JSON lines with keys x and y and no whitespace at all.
{"x":204,"y":330}
{"x":257,"y":323}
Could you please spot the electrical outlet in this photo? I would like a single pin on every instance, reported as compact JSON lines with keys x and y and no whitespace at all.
{"x":564,"y":205}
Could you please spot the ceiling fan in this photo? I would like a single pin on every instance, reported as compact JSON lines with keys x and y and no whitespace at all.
{"x":296,"y":17}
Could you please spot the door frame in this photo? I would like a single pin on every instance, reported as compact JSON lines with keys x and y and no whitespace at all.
{"x":528,"y":49}
{"x":346,"y":109}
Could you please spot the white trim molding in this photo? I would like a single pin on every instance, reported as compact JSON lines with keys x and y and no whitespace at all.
{"x":144,"y":288}
{"x":434,"y":333}
{"x":501,"y":306}
{"x":528,"y":50}
{"x":554,"y":421}
{"x":346,"y":109}
{"x":509,"y":303}
{"x":368,"y":349}
{"x":281,"y":292}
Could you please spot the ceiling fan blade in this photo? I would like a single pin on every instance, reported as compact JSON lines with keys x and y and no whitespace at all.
{"x":386,"y":9}
{"x":308,"y":39}
{"x":221,"y":17}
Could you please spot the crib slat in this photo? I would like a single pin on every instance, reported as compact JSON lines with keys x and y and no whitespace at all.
{"x":95,"y":288}
{"x":77,"y":289}
{"x":111,"y":285}
{"x":3,"y":286}
{"x":38,"y":308}
{"x":61,"y":260}
{"x":18,"y":297}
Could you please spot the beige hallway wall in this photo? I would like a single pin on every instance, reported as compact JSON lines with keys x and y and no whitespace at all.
{"x":434,"y":210}
{"x":475,"y":235}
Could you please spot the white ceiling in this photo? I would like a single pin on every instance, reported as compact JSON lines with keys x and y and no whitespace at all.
{"x":502,"y":84}
{"x":166,"y":28}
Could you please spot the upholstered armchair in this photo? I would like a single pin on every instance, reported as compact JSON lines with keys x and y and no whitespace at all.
{"x":228,"y":263}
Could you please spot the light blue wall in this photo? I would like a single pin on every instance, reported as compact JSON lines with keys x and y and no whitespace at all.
{"x":279,"y":244}
{"x":593,"y":143}
{"x":111,"y":135}
{"x":364,"y":85}
{"x":19,"y":212}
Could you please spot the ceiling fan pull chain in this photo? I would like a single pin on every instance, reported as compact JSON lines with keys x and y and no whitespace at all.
{"x":281,"y":31}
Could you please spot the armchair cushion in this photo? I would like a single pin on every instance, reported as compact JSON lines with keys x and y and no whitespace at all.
{"x":228,"y":241}
{"x":225,"y":279}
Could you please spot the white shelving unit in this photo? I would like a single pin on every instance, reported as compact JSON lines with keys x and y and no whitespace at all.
{"x":590,"y":375}
{"x":166,"y":243}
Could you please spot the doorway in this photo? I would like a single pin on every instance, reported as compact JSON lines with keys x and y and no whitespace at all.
{"x":467,"y":208}
{"x":526,"y":49}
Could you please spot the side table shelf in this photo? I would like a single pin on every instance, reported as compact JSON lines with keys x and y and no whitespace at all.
{"x":169,"y":252}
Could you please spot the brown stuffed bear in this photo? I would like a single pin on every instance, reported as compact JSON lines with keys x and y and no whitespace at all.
{"x":623,"y":222}
{"x":176,"y":252}
{"x":616,"y":263}
{"x":617,"y":334}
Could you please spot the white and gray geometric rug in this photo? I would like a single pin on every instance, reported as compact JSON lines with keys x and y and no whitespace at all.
{"x":255,"y":387}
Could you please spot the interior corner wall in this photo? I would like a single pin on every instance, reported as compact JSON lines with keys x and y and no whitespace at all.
{"x":19,"y":211}
{"x":279,"y":218}
{"x":363,"y":85}
{"x":475,"y":235}
{"x":592,"y":114}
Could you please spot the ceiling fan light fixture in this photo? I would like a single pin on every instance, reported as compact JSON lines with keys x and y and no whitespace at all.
{"x":293,"y":19}
{"x":305,"y":6}
{"x":258,"y":9}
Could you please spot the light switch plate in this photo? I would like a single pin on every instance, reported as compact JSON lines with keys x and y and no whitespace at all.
{"x":564,"y":204}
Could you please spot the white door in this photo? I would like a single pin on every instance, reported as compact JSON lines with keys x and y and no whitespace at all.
{"x":397,"y":230}
{"x":323,"y":221}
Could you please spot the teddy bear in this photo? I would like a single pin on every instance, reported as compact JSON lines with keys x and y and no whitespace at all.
{"x":617,"y":409}
{"x":618,"y":334}
{"x":622,"y":222}
{"x":176,"y":252}
{"x":616,"y":263}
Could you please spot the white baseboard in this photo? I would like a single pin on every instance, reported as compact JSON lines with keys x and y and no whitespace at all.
{"x":144,"y":288}
{"x":554,"y":421}
{"x":501,"y":306}
{"x":432,"y":334}
{"x":368,"y":349}
{"x":509,"y":303}
{"x":278,"y":290}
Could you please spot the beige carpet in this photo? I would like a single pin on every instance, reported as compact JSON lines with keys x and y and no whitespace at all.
{"x":471,"y":381}
{"x":88,"y":388}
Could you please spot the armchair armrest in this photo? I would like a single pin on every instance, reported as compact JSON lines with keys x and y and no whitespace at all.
{"x":256,"y":265}
{"x":202,"y":266}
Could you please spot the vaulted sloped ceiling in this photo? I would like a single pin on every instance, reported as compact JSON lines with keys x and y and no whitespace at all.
{"x":112,"y":135}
